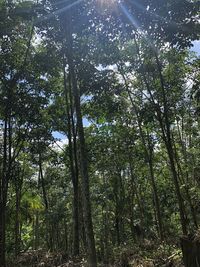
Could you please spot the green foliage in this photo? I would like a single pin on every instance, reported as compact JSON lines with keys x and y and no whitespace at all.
{"x":139,"y":91}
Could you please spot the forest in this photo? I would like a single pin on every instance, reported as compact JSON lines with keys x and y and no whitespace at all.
{"x":99,"y":133}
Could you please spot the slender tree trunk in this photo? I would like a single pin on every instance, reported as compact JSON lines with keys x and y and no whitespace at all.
{"x":76,"y":179}
{"x":7,"y":153}
{"x":168,"y":144}
{"x":84,"y":174}
{"x":36,"y":231}
{"x":3,"y":196}
{"x":82,"y":228}
{"x":84,"y":167}
{"x":43,"y":184}
{"x":2,"y":235}
{"x":186,"y":187}
{"x":17,"y":224}
{"x":76,"y":221}
{"x":121,"y":203}
{"x":185,"y":180}
{"x":163,"y":119}
{"x":46,"y":203}
{"x":19,"y":176}
{"x":73,"y":163}
{"x":105,"y":226}
{"x":65,"y":235}
{"x":156,"y":199}
{"x":117,"y":211}
{"x":57,"y":236}
{"x":167,"y":137}
{"x":85,"y":191}
{"x":117,"y":225}
{"x":149,"y":153}
{"x":138,"y":197}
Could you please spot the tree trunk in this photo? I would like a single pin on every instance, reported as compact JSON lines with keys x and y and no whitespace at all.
{"x":138,"y":197}
{"x":185,"y":180}
{"x":65,"y":236}
{"x":156,"y":199}
{"x":84,"y":174}
{"x":76,"y":221}
{"x":43,"y":184}
{"x":84,"y":169}
{"x":3,"y":196}
{"x":2,"y":235}
{"x":35,"y":231}
{"x":68,"y":29}
{"x":148,"y":153}
{"x":191,"y":251}
{"x":7,"y":152}
{"x":82,"y":227}
{"x":105,"y":229}
{"x":17,"y":224}
{"x":73,"y":162}
{"x":163,"y":118}
{"x":117,"y":210}
{"x":46,"y":204}
{"x":167,"y":137}
{"x":19,"y":176}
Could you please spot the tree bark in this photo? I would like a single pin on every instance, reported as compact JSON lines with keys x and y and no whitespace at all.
{"x":73,"y":162}
{"x":3,"y":195}
{"x":67,"y":26}
{"x":84,"y":174}
{"x":46,"y":204}
{"x":2,"y":235}
{"x":43,"y":185}
{"x":17,"y":220}
{"x":191,"y":251}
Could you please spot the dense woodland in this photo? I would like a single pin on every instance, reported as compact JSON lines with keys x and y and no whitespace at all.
{"x":119,"y":82}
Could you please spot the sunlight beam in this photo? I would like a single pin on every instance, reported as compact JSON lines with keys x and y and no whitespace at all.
{"x":60,"y":2}
{"x":129,"y":16}
{"x":153,"y":14}
{"x":59,"y":11}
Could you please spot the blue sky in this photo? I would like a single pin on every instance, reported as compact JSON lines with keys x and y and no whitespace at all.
{"x":196,"y":47}
{"x":62,"y":136}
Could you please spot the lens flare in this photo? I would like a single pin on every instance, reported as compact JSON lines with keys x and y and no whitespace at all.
{"x":129,"y":16}
{"x":106,"y":5}
{"x":59,"y":11}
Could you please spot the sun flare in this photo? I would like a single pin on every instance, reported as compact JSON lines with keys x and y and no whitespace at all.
{"x":107,"y":4}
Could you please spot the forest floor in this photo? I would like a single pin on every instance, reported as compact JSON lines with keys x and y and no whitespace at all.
{"x":145,"y":254}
